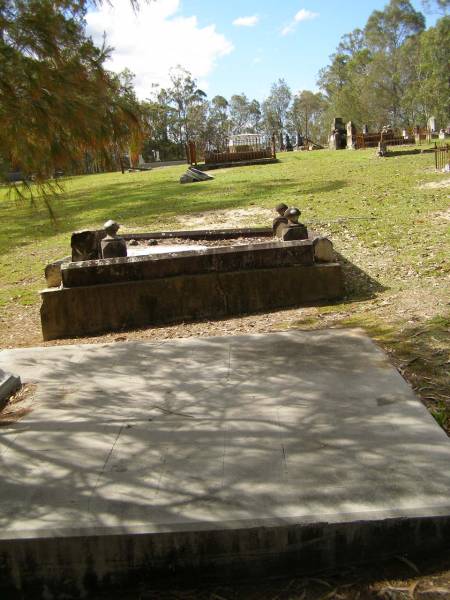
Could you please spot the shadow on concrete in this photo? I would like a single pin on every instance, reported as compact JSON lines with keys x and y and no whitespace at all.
{"x":216,"y":430}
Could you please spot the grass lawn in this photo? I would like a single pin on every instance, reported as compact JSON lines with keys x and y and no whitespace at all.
{"x":388,"y":218}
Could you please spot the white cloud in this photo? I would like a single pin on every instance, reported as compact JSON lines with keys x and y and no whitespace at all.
{"x":302,"y":15}
{"x":305,"y":15}
{"x":154,"y":39}
{"x":288,"y":29}
{"x":246,"y":21}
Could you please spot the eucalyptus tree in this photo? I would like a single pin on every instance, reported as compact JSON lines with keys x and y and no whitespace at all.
{"x":306,"y":115}
{"x":386,"y":32}
{"x":275,"y":109}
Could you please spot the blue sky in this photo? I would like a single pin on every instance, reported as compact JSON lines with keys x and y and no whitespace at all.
{"x":230,"y":46}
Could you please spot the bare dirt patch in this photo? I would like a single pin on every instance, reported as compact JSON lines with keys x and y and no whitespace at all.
{"x":436,"y":185}
{"x":215,"y":219}
{"x":443,"y":214}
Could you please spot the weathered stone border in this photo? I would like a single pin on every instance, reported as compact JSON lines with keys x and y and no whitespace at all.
{"x":92,"y":309}
{"x":217,"y":260}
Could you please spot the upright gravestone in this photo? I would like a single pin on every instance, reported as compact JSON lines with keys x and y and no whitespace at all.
{"x":351,"y":136}
{"x":431,"y":125}
{"x":289,"y":146}
{"x":337,"y":139}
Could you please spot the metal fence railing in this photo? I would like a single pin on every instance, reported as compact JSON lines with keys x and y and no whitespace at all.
{"x":441,"y":156}
{"x":239,"y":148}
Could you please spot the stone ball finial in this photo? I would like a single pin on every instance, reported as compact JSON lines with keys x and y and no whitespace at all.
{"x":292,"y":215}
{"x":111,"y":227}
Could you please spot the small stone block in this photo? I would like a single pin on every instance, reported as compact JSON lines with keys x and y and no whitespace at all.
{"x":52,"y":272}
{"x":292,"y":232}
{"x":8,"y":385}
{"x":323,"y":250}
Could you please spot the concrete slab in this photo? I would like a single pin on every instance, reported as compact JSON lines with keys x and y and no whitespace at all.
{"x":299,"y":450}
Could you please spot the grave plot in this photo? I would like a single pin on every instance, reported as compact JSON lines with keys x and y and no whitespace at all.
{"x":215,"y":457}
{"x":112,"y":283}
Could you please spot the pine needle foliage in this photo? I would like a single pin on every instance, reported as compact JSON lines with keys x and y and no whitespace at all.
{"x":57,"y":100}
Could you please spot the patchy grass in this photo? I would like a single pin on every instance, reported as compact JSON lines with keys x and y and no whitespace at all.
{"x":388,"y":219}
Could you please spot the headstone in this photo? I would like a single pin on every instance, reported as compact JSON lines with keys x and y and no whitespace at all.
{"x":351,"y":136}
{"x":337,"y":139}
{"x":337,"y":124}
{"x":382,"y":149}
{"x":200,"y":175}
{"x":431,"y":125}
{"x":112,"y":245}
{"x":289,"y":146}
{"x":193,"y":175}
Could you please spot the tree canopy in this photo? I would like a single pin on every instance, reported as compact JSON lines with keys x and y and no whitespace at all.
{"x":60,"y":108}
{"x":57,"y":101}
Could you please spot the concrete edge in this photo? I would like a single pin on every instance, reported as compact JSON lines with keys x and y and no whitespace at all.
{"x":355,"y":331}
{"x":79,"y":567}
{"x":364,"y":517}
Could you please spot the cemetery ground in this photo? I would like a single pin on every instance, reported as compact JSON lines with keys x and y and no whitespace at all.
{"x":389,"y":220}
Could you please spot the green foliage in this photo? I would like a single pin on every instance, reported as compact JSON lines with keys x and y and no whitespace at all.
{"x":275,"y":109}
{"x":394,"y":72}
{"x":306,"y":114}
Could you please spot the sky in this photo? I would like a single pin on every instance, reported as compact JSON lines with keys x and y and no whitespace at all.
{"x":229,"y":46}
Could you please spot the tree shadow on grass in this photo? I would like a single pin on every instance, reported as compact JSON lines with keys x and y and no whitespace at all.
{"x":150,"y":203}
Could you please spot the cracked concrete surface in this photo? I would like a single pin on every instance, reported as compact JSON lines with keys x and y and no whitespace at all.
{"x":298,"y":425}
